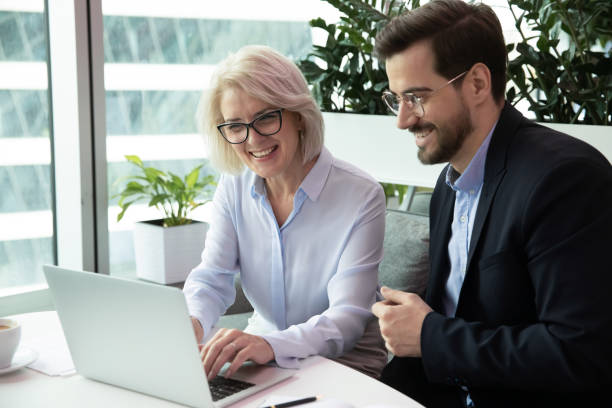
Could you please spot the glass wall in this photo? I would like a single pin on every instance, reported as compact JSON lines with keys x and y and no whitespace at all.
{"x":26,"y":217}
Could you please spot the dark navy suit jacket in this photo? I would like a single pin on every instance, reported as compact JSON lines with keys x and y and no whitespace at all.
{"x":533,"y":325}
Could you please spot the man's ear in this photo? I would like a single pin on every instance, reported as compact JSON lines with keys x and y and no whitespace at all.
{"x":477,"y":83}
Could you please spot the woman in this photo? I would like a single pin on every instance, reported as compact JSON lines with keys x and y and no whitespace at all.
{"x":303,"y":229}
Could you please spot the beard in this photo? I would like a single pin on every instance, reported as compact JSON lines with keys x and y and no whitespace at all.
{"x":449,"y":138}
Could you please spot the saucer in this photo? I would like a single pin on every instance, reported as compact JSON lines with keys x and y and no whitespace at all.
{"x":22,"y":358}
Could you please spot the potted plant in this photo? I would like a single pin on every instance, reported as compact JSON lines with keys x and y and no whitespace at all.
{"x":166,"y":249}
{"x":562,"y":68}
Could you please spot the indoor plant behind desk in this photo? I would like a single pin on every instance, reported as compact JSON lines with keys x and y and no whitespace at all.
{"x":166,"y":249}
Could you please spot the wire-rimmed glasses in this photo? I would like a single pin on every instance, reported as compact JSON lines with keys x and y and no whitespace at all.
{"x":412,"y":102}
{"x":266,"y":124}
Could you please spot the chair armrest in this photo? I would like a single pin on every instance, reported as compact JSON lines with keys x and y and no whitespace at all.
{"x":241,"y":304}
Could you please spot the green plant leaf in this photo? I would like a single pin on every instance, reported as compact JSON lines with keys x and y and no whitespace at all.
{"x":159,"y":198}
{"x":124,"y":207}
{"x":318,"y":23}
{"x":135,"y":160}
{"x":192,"y":178}
{"x":153,"y":174}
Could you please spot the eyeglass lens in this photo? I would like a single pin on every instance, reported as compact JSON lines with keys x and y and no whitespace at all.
{"x":266,"y":125}
{"x":411,"y":102}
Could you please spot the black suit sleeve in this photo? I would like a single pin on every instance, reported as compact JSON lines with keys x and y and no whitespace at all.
{"x":566,"y":245}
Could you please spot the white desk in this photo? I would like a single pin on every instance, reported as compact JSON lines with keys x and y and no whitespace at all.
{"x":26,"y":388}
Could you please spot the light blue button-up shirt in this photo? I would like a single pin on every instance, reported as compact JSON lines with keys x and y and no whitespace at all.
{"x":467,"y":187}
{"x":312,"y":280}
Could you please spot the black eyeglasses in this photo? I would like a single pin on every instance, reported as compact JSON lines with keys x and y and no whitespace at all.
{"x":266,"y":124}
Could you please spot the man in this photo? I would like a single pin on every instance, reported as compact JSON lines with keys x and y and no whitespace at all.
{"x":517,"y":311}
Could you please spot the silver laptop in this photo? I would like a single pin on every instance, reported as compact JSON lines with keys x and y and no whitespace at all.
{"x":138,"y":335}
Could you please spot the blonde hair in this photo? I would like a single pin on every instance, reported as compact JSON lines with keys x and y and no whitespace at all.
{"x":263,"y":73}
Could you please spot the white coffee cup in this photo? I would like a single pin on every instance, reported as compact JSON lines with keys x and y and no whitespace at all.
{"x":10,"y":334}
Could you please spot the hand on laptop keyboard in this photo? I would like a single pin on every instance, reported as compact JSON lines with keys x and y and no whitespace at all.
{"x":235,"y":346}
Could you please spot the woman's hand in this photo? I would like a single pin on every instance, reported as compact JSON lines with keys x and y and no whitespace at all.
{"x":235,"y":346}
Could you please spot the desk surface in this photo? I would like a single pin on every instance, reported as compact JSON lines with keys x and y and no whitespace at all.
{"x":317,"y":376}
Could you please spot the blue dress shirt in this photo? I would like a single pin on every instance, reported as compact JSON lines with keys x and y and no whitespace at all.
{"x":312,"y":280}
{"x":467,"y":187}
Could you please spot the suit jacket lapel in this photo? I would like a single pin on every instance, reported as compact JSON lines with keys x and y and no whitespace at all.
{"x":440,"y":232}
{"x":484,"y":204}
{"x":495,"y":168}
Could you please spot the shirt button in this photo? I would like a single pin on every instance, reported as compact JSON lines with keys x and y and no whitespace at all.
{"x":471,"y":191}
{"x":463,"y":218}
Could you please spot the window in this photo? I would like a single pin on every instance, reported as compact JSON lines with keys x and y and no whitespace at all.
{"x":26,"y":218}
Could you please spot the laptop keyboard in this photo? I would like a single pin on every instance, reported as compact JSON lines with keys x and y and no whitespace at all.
{"x":221,"y":387}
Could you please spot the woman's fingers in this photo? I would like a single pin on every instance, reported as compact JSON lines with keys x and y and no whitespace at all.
{"x":257,"y":349}
{"x":215,"y":347}
{"x":226,"y":355}
{"x":236,"y":347}
{"x":239,"y":359}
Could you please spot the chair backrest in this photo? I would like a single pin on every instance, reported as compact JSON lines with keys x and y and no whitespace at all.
{"x":405,"y":265}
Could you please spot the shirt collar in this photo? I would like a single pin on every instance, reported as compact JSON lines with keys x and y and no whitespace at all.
{"x":473,"y":176}
{"x":315,"y":180}
{"x":312,"y":184}
{"x":258,"y":187}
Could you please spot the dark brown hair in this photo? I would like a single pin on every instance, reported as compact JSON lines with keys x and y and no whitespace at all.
{"x":461,"y":35}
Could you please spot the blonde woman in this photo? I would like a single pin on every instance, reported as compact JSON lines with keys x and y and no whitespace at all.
{"x":303,"y":229}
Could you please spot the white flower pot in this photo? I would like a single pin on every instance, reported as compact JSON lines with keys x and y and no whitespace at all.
{"x":167,"y":255}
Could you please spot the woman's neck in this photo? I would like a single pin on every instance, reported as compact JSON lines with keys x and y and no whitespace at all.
{"x":285,"y":185}
{"x":281,"y":190}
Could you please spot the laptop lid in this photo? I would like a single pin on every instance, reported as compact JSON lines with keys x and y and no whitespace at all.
{"x":138,"y":335}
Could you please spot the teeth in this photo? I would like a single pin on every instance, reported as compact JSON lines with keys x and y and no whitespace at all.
{"x":422,"y":134}
{"x":263,"y":153}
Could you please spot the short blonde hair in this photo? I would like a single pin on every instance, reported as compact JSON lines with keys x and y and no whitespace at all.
{"x":265,"y":74}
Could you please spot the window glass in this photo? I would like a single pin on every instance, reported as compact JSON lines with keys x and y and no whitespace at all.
{"x":26,"y":217}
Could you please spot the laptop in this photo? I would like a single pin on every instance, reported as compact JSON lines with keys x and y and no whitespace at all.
{"x":138,"y":335}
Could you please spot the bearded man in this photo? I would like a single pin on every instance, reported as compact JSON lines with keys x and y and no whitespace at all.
{"x":517,"y":310}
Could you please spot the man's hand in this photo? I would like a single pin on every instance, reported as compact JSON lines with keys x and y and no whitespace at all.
{"x":401,"y":317}
{"x":235,"y":346}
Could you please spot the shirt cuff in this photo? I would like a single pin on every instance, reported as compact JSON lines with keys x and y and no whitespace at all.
{"x":281,"y":353}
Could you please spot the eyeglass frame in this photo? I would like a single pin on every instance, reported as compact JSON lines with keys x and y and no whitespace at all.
{"x":419,"y":99}
{"x":251,"y":124}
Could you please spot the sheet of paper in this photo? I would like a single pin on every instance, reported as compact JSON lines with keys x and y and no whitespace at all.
{"x":322,"y":403}
{"x":53,"y":354}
